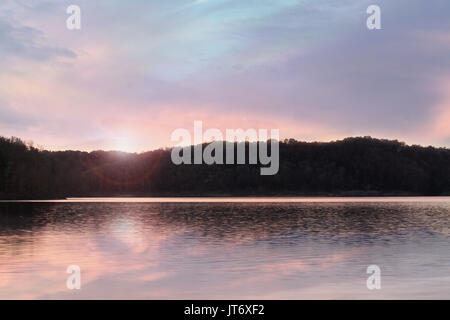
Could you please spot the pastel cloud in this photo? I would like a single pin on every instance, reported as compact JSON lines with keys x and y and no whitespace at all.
{"x":136,"y":71}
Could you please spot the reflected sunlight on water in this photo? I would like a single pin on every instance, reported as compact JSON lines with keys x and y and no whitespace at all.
{"x":253,"y":249}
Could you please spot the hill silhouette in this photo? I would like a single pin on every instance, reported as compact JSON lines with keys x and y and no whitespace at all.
{"x":353,"y":166}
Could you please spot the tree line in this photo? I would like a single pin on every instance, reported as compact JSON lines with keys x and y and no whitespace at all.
{"x":352,"y":166}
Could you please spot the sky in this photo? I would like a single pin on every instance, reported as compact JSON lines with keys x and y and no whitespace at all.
{"x":138,"y":69}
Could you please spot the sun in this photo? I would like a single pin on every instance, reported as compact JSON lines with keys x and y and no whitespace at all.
{"x":125,"y":144}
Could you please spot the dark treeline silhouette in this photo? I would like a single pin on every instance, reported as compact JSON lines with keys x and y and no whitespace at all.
{"x":353,"y":166}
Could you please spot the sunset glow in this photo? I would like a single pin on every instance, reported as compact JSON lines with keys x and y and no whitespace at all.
{"x":126,"y":82}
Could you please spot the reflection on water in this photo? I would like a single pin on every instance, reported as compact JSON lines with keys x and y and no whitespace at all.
{"x":289,"y":250}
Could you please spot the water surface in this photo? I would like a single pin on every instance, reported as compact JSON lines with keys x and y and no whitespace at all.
{"x":213,"y":248}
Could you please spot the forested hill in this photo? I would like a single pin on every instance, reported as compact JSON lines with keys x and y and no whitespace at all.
{"x":353,"y":166}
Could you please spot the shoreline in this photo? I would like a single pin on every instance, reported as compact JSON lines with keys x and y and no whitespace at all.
{"x":349,"y":194}
{"x":238,"y":199}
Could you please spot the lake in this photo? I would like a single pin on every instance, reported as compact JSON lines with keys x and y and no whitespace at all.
{"x":232,"y":248}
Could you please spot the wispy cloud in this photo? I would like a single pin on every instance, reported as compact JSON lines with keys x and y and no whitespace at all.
{"x":313,"y":63}
{"x":197,"y":2}
{"x":27,"y":43}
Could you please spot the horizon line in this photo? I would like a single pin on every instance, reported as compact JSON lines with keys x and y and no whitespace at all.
{"x":31,"y":144}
